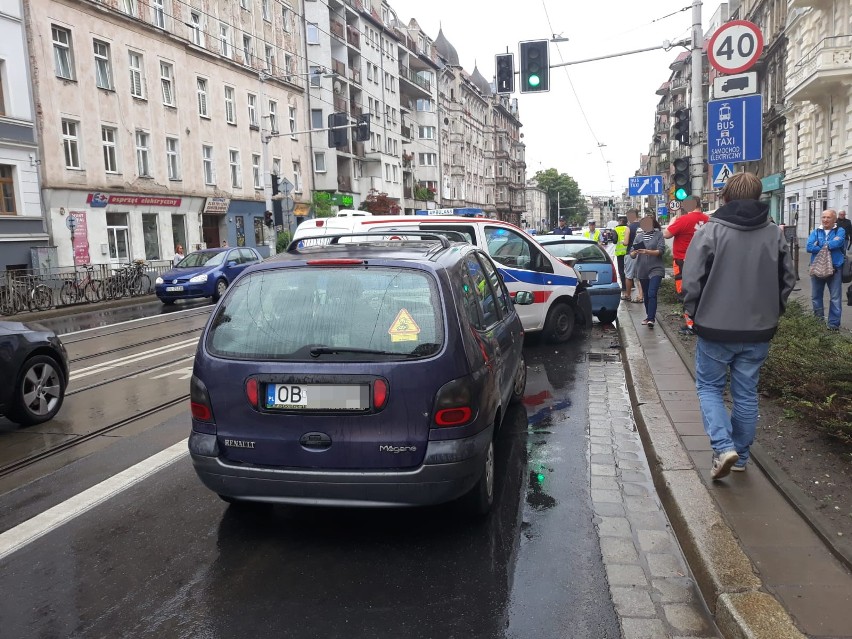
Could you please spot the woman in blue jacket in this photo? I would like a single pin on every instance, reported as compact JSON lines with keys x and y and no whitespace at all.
{"x":835,"y":238}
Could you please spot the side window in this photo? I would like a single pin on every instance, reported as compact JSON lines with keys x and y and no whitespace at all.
{"x":247,"y":256}
{"x":483,"y":291}
{"x":232,"y":256}
{"x":500,"y":292}
{"x":508,"y":247}
{"x":469,"y":299}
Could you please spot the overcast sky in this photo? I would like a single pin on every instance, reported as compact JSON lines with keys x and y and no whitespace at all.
{"x":617,"y":96}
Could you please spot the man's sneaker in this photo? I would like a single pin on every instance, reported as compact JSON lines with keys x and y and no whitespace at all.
{"x":722,"y":463}
{"x":738,"y":468}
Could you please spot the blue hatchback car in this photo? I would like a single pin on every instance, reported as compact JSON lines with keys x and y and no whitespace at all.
{"x":358,"y":373}
{"x":204,"y":273}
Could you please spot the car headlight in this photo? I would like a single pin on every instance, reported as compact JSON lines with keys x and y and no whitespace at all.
{"x":159,"y":280}
{"x":198,"y":279}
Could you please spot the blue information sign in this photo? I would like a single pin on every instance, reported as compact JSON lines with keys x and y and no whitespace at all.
{"x":645,"y":185}
{"x":735,"y":130}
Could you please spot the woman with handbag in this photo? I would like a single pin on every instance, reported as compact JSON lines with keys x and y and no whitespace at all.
{"x":826,"y":245}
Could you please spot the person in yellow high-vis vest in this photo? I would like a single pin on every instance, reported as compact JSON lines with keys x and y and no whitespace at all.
{"x":620,"y":251}
{"x":592,"y":233}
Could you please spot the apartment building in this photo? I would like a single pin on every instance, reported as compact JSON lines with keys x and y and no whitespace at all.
{"x":23,"y":238}
{"x":537,"y":208}
{"x":159,"y":122}
{"x":817,"y":158}
{"x":507,"y":159}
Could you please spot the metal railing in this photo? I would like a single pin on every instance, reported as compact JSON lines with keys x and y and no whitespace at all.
{"x":411,"y":76}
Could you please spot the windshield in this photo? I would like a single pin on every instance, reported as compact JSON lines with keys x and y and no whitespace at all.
{"x":582,"y":251}
{"x":202,"y":258}
{"x":303,"y":313}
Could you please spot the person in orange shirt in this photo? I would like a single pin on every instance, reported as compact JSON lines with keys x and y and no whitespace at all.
{"x":682,"y":229}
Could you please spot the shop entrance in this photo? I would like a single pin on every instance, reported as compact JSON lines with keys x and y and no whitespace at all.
{"x":210,"y":230}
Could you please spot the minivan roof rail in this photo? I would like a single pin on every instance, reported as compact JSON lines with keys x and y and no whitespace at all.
{"x":334,"y":239}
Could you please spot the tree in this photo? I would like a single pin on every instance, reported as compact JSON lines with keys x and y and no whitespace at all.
{"x":562,"y":192}
{"x":380,"y":204}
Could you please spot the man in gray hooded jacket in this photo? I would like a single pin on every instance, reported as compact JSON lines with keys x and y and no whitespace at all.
{"x":737,"y":278}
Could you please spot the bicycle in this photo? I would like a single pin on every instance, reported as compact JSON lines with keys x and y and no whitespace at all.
{"x":25,"y":293}
{"x":77,"y":289}
{"x":129,"y":280}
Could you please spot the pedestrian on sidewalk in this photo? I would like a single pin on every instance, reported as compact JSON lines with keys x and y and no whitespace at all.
{"x":620,"y":250}
{"x":629,"y":260}
{"x":178,"y":254}
{"x":647,"y":249}
{"x":737,"y":277}
{"x":829,"y":234}
{"x":846,"y":225}
{"x":682,"y":229}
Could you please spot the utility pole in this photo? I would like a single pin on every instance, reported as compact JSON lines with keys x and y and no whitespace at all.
{"x":697,"y":102}
{"x":267,"y":178}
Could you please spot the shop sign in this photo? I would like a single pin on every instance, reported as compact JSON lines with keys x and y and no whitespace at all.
{"x":80,"y":237}
{"x":772,"y":182}
{"x":101,"y":200}
{"x":217,"y":205}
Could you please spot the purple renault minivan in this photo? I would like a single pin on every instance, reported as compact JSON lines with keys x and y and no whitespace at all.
{"x":361,"y":372}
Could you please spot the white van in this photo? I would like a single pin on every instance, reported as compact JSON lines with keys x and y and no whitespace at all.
{"x":560,"y":299}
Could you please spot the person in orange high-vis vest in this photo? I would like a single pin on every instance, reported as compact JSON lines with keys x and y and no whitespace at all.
{"x":682,"y":229}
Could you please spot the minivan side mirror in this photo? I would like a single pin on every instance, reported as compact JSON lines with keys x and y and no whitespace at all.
{"x":523,"y":298}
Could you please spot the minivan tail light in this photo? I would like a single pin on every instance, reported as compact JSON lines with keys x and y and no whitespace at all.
{"x":453,"y":416}
{"x":453,"y":404}
{"x":251,"y":391}
{"x":380,"y":394}
{"x":199,"y":402}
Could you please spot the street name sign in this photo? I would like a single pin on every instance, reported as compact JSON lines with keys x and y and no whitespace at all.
{"x":645,"y":185}
{"x":735,"y":46}
{"x":721,"y":173}
{"x":730,"y":86}
{"x":735,"y":130}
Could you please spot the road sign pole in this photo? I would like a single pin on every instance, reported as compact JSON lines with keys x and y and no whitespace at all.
{"x":697,"y":102}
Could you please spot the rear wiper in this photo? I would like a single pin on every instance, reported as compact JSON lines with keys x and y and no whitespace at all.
{"x":332,"y":350}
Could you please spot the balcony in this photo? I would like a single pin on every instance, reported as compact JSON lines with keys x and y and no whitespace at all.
{"x":407,"y":192}
{"x":353,"y":37}
{"x":340,"y":104}
{"x":358,"y":149}
{"x":801,"y":4}
{"x":406,"y":132}
{"x":822,"y":71}
{"x":679,"y":85}
{"x":338,"y":67}
{"x":354,"y":110}
{"x":663,"y":108}
{"x":416,"y":85}
{"x":338,"y":30}
{"x":344,"y":183}
{"x":355,"y":76}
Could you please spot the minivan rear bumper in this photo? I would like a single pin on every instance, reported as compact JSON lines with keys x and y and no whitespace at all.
{"x":449,"y":470}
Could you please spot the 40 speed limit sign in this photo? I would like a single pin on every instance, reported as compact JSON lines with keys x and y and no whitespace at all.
{"x":735,"y":46}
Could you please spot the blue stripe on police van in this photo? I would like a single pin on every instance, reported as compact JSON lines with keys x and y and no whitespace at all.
{"x":534,"y":277}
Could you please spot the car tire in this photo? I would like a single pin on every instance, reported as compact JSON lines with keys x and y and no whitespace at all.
{"x":41,"y":378}
{"x":559,"y":325}
{"x":481,"y":497}
{"x":607,"y":317}
{"x":519,"y":384}
{"x":219,"y":289}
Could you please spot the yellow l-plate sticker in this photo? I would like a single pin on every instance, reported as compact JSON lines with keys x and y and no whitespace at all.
{"x":403,"y":328}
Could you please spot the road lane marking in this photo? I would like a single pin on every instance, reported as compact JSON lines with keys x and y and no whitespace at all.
{"x":28,"y":531}
{"x":138,"y":319}
{"x":130,"y":359}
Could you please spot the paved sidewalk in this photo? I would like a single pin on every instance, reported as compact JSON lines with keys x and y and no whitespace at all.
{"x":783,"y":554}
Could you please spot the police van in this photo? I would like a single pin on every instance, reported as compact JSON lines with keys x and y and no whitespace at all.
{"x":560,"y":298}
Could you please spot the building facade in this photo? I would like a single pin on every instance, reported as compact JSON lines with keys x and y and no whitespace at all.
{"x":23,"y":238}
{"x":159,"y":122}
{"x":537,"y":213}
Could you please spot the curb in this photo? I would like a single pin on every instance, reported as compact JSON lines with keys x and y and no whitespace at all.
{"x":79,"y":309}
{"x":724,"y":573}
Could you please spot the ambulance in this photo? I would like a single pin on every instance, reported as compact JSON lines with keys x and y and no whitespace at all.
{"x":560,"y":297}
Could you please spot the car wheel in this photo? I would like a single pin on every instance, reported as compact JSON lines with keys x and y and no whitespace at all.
{"x":219,"y":290}
{"x":480,"y":498}
{"x":39,"y":391}
{"x":520,"y":383}
{"x":559,"y":325}
{"x":607,"y":317}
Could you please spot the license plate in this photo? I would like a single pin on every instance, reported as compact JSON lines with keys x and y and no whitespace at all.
{"x":174,"y":289}
{"x":317,"y":396}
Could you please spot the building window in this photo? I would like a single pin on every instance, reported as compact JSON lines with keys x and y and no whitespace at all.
{"x":7,"y":190}
{"x":201,"y":92}
{"x":167,"y":73}
{"x":426,"y":132}
{"x":130,"y":7}
{"x":270,"y":59}
{"x":424,"y":105}
{"x":248,"y":50}
{"x":395,"y":173}
{"x":297,"y":177}
{"x":234,"y":163}
{"x":276,"y":166}
{"x":137,"y":87}
{"x":264,"y":9}
{"x":63,"y":57}
{"x":195,"y":28}
{"x":71,"y":144}
{"x":108,"y":135}
{"x":207,"y":164}
{"x":428,"y":159}
{"x":273,"y":116}
{"x":103,"y":65}
{"x":292,"y":119}
{"x":288,"y":67}
{"x":173,"y":158}
{"x":151,"y":236}
{"x":319,"y":162}
{"x":118,"y":236}
{"x":252,"y":109}
{"x":230,"y":110}
{"x":286,"y":17}
{"x":143,"y":166}
{"x":245,"y":4}
{"x":316,"y":118}
{"x":225,"y":40}
{"x":159,"y":13}
{"x":316,"y":77}
{"x":312,"y":33}
{"x":256,"y":174}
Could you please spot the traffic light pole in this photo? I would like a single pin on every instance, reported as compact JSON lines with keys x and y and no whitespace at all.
{"x":697,"y":102}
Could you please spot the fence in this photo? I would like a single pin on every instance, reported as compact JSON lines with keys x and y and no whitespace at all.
{"x":29,"y":291}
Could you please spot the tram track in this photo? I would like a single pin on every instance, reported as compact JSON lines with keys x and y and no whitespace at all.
{"x":153,"y":340}
{"x":68,"y":338}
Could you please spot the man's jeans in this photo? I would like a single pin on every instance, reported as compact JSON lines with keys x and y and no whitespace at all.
{"x":712,"y":360}
{"x":835,"y":292}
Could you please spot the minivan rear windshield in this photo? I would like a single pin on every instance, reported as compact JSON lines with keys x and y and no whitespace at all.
{"x":324,"y":314}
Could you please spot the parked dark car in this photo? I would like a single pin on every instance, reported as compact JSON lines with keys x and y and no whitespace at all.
{"x":34,"y":373}
{"x":204,"y":273}
{"x":360,"y":373}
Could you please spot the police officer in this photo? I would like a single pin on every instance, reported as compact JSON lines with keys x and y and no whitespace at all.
{"x":592,"y":233}
{"x":621,"y":232}
{"x":562,"y":229}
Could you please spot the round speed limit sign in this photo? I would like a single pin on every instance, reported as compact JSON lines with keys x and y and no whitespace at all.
{"x":735,"y":46}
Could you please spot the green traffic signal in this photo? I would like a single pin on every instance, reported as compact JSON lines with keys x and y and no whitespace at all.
{"x":534,"y":80}
{"x":681,"y":194}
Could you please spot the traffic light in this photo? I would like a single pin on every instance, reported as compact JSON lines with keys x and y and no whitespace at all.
{"x":682,"y":179}
{"x":681,"y":126}
{"x":535,"y":66}
{"x":267,"y":218}
{"x":505,"y":66}
{"x":338,"y":130}
{"x":277,"y":211}
{"x":362,"y":131}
